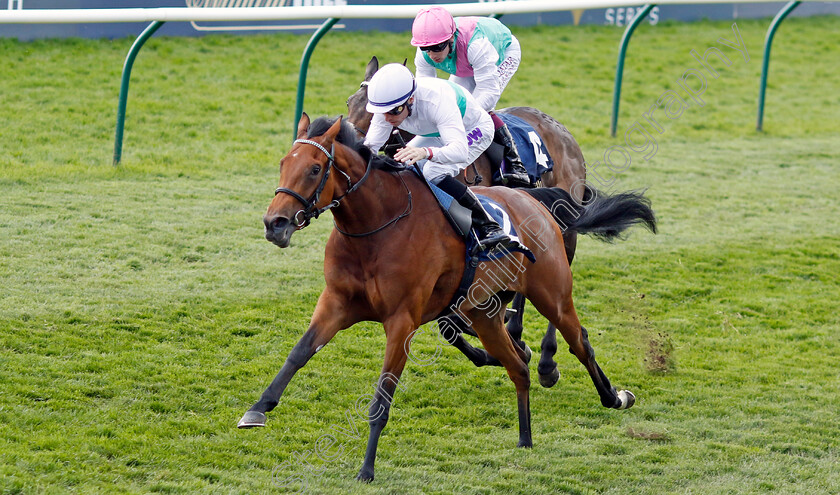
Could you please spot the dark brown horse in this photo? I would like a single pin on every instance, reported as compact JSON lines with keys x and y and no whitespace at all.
{"x":387,"y":224}
{"x":568,"y":173}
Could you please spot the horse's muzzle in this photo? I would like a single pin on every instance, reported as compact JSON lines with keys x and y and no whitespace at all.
{"x":278,"y":230}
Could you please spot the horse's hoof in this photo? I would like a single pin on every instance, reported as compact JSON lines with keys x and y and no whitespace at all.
{"x":364,"y":476}
{"x":550,"y":379}
{"x":627,"y":399}
{"x":251,"y":419}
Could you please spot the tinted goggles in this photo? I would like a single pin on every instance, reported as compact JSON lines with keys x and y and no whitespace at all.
{"x":435,"y":48}
{"x":396,"y":110}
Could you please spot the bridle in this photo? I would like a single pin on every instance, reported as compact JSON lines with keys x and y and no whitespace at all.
{"x":303,"y":217}
{"x":310,"y":210}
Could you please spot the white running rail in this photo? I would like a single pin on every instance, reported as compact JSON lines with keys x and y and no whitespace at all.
{"x":186,"y":14}
{"x":232,"y":4}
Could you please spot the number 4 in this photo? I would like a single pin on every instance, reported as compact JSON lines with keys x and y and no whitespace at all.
{"x":537,"y":143}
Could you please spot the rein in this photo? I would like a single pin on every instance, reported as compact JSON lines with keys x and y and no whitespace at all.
{"x":394,"y":220}
{"x":310,"y":210}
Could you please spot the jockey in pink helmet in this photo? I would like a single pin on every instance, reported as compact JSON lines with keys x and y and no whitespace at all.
{"x":481,"y":55}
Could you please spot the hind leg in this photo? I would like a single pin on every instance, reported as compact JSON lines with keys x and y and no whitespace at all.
{"x":556,"y":305}
{"x":579,"y":346}
{"x":451,"y":329}
{"x":547,"y":367}
{"x":480,"y":357}
{"x":514,"y":324}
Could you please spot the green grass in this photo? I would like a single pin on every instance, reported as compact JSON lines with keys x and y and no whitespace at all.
{"x":142,"y":312}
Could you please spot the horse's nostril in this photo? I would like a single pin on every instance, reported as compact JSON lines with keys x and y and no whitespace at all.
{"x":275,"y":223}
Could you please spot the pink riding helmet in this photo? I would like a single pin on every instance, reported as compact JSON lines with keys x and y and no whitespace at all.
{"x":432,"y":26}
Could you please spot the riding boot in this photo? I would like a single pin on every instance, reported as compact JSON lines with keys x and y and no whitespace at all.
{"x":488,"y":231}
{"x":517,"y":176}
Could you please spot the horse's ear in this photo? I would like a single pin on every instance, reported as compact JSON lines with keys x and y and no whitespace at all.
{"x":303,"y":125}
{"x":372,"y":67}
{"x":332,"y":132}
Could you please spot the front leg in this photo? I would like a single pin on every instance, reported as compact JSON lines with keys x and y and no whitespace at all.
{"x":498,"y":342}
{"x":398,"y":331}
{"x":329,"y":317}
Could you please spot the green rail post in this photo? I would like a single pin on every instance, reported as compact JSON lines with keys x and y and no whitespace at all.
{"x":619,"y":70}
{"x":304,"y":66}
{"x":765,"y":63}
{"x":126,"y":75}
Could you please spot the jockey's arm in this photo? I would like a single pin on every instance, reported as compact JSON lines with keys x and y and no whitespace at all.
{"x":450,"y":126}
{"x":423,"y":68}
{"x":483,"y":58}
{"x":378,"y":133}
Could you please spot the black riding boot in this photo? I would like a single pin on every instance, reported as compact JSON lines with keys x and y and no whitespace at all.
{"x":517,"y":176}
{"x":488,"y":231}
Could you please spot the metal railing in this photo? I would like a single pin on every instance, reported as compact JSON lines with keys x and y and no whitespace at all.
{"x":234,"y":4}
{"x":254,"y":10}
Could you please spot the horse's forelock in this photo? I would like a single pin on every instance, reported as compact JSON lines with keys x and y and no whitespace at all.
{"x":346,"y":136}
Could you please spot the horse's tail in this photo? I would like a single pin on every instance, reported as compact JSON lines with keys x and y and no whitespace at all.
{"x":604,"y":216}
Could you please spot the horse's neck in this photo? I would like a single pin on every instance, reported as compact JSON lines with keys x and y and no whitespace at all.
{"x":376,"y":202}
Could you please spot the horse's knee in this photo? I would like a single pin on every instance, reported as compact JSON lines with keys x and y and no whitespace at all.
{"x":303,"y":351}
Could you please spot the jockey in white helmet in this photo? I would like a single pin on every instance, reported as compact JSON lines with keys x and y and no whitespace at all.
{"x":451,"y":131}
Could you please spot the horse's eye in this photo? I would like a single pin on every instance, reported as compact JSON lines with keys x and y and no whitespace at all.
{"x":315,"y":170}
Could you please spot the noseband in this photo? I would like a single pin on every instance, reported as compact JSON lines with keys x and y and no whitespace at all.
{"x":310,"y":210}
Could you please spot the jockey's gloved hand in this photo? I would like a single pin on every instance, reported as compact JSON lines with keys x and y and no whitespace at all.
{"x":411,"y":155}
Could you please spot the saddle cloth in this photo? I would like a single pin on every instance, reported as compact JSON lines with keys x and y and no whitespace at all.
{"x":461,"y":220}
{"x":531,"y":149}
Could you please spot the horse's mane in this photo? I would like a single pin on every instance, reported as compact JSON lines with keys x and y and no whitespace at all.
{"x":347,"y":136}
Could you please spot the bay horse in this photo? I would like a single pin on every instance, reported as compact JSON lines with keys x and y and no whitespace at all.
{"x":568,"y":173}
{"x":387,"y":224}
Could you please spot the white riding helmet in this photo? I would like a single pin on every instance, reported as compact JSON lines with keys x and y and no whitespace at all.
{"x":391,"y":86}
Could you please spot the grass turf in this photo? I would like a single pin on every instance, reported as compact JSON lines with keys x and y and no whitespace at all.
{"x":141,"y":312}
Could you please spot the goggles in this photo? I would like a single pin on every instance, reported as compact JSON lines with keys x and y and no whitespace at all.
{"x":435,"y":48}
{"x":396,"y":110}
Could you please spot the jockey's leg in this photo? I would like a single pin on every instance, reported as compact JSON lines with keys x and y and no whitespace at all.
{"x":515,"y":175}
{"x":488,"y":231}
